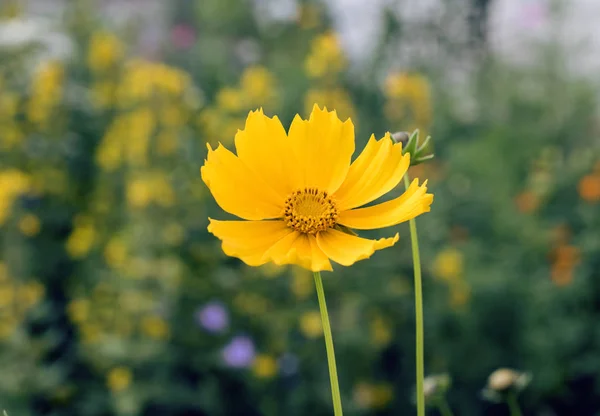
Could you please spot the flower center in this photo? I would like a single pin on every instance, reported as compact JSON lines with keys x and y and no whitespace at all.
{"x":310,"y":211}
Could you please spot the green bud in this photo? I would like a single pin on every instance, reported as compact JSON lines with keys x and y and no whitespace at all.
{"x":419,"y":152}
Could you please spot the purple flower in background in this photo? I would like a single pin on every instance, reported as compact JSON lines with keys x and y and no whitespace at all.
{"x":239,"y":353}
{"x":213,"y":317}
{"x":534,"y":14}
{"x":183,"y":36}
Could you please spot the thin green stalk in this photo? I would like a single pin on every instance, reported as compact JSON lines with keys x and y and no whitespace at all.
{"x":513,"y":404}
{"x":418,"y":311}
{"x":444,"y":408}
{"x":333,"y":377}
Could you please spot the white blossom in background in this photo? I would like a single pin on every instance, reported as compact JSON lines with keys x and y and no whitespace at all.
{"x":35,"y":33}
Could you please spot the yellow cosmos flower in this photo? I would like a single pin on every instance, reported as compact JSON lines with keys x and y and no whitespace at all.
{"x":299,"y":193}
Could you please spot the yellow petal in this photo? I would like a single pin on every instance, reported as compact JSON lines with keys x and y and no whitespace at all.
{"x":263,"y":146}
{"x":249,"y":240}
{"x":376,"y":171}
{"x":415,"y":201}
{"x":300,"y":249}
{"x":347,"y":249}
{"x":323,"y":147}
{"x":237,"y":188}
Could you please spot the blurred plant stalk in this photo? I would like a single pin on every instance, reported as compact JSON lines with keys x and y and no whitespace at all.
{"x":419,"y":153}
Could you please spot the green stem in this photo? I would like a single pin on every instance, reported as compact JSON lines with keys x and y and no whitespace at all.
{"x":513,"y":404}
{"x":444,"y":408}
{"x":418,"y":311}
{"x":333,"y":378}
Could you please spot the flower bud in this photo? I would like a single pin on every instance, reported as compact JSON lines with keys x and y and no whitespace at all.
{"x":419,"y":152}
{"x":505,"y":380}
{"x":435,"y":388}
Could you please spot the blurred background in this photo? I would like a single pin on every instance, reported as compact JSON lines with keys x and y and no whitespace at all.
{"x":114,"y":299}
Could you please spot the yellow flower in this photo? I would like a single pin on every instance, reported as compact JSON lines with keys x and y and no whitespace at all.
{"x":300,"y":195}
{"x":119,"y":378}
{"x":381,"y":332}
{"x":257,"y":83}
{"x":79,"y":310}
{"x":448,"y":265}
{"x":326,"y":56}
{"x":104,"y":51}
{"x":310,"y":324}
{"x":264,"y":366}
{"x":155,"y":327}
{"x":82,"y":239}
{"x":29,"y":225}
{"x":12,"y":184}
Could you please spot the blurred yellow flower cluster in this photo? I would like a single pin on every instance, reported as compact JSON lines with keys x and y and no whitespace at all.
{"x":326,"y":57}
{"x":448,"y":266}
{"x":105,"y":52}
{"x":373,"y":395}
{"x":11,"y":132}
{"x":257,"y":88}
{"x":12,"y":184}
{"x":324,"y":65}
{"x":46,"y":93}
{"x":408,"y":101}
{"x":15,"y":300}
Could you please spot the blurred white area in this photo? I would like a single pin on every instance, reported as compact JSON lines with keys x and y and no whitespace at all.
{"x":516,"y":26}
{"x":37,"y":33}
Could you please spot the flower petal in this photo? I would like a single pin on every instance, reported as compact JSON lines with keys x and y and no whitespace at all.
{"x":376,"y":171}
{"x":237,"y":188}
{"x":347,"y":249}
{"x":263,"y":146}
{"x":300,"y":249}
{"x":323,"y":147}
{"x":249,"y":240}
{"x":415,"y":201}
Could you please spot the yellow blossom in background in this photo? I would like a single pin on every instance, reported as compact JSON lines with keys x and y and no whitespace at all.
{"x":337,"y":98}
{"x":119,"y":379}
{"x":155,"y":327}
{"x":449,"y":265}
{"x":152,"y":187}
{"x":12,"y":184}
{"x":103,"y":93}
{"x":460,"y":294}
{"x":30,"y":294}
{"x":309,"y":16}
{"x":79,"y":310}
{"x":326,"y":56}
{"x":143,"y":80}
{"x":7,"y":295}
{"x":258,"y":86}
{"x":302,"y":283}
{"x":29,"y":225}
{"x":173,"y":234}
{"x":82,"y":238}
{"x":105,"y":50}
{"x":271,"y":270}
{"x":115,"y":252}
{"x":46,"y":92}
{"x":408,"y":100}
{"x":297,"y":191}
{"x":381,"y":331}
{"x":264,"y":366}
{"x":310,"y":324}
{"x":373,"y":396}
{"x":251,"y":303}
{"x":230,"y":99}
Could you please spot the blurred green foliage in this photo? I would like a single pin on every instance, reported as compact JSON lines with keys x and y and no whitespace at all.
{"x":114,"y":299}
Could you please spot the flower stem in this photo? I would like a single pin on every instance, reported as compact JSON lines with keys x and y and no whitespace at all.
{"x":444,"y":408}
{"x":418,"y":311}
{"x":513,"y":404}
{"x":333,"y":378}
